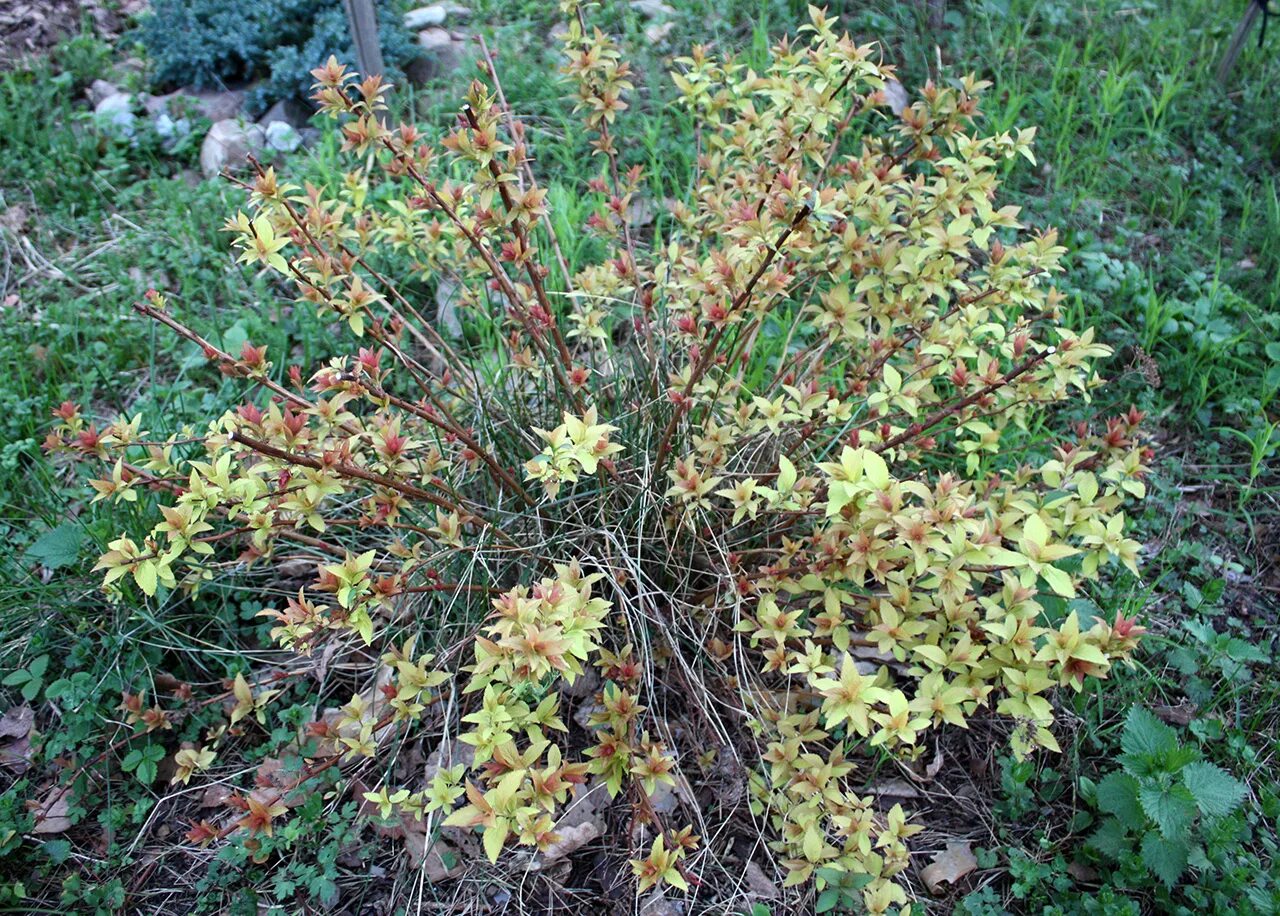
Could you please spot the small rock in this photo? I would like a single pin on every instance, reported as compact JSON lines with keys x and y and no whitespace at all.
{"x":212,"y":104}
{"x":282,"y":137}
{"x":228,"y":144}
{"x":434,"y":39}
{"x":441,"y":53}
{"x":290,"y":111}
{"x":559,"y":32}
{"x":658,"y":904}
{"x":170,"y":129}
{"x":219,"y":106}
{"x":159,"y":104}
{"x":447,"y":307}
{"x":657,"y":32}
{"x":651,"y":9}
{"x":640,"y":212}
{"x":435,"y":14}
{"x":99,"y":90}
{"x":115,"y":114}
{"x":423,"y":17}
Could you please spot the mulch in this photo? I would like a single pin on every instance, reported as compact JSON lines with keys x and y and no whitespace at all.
{"x":32,"y":27}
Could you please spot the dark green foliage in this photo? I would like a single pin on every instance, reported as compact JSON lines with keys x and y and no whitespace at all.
{"x":1166,"y":807}
{"x":211,"y":43}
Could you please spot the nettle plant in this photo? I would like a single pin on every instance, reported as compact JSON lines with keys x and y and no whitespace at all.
{"x":762,"y":496}
{"x":1166,"y":807}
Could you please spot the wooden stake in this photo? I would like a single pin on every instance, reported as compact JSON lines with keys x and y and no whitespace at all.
{"x":1251,"y":13}
{"x":364,"y":32}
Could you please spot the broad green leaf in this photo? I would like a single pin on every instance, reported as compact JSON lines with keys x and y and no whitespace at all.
{"x":1111,"y":839}
{"x":876,"y":471}
{"x":1059,"y":581}
{"x":58,"y":851}
{"x":1035,"y":530}
{"x":1166,"y":858}
{"x":145,"y":575}
{"x":786,"y":474}
{"x":494,"y":837}
{"x":1172,"y":809}
{"x":58,"y":547}
{"x":1146,"y":736}
{"x":1118,"y":794}
{"x":234,"y":339}
{"x":1217,"y":793}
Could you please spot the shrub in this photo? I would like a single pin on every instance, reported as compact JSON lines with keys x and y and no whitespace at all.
{"x":758,"y":499}
{"x":209,"y":43}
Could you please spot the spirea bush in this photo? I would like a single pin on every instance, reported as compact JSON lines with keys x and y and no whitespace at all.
{"x":745,"y":506}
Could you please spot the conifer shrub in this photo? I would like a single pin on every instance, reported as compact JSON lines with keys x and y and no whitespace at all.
{"x":759,"y":499}
{"x":211,"y":43}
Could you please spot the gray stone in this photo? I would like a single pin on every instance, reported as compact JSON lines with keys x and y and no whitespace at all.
{"x":157,"y":104}
{"x":282,"y":137}
{"x":447,"y":307}
{"x":219,"y":106}
{"x":435,"y":14}
{"x":657,"y":32}
{"x":442,"y":53}
{"x":115,"y":114}
{"x":228,"y":145}
{"x":171,"y":130}
{"x":99,"y":90}
{"x":212,"y":104}
{"x":651,"y":9}
{"x":290,"y":111}
{"x":434,"y":39}
{"x":424,"y":17}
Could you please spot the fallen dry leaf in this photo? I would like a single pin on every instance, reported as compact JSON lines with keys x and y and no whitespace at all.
{"x":17,"y":722}
{"x":1182,"y":714}
{"x":1082,"y":872}
{"x":896,"y":788}
{"x":570,"y":840}
{"x":16,"y":725}
{"x":949,"y":866}
{"x":51,"y":814}
{"x":215,"y":796}
{"x":585,"y":806}
{"x":895,"y":95}
{"x":758,"y":883}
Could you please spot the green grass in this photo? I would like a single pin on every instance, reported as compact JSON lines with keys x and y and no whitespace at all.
{"x":1162,"y":183}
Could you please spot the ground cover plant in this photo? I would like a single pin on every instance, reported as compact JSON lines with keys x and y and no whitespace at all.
{"x":1039,"y":827}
